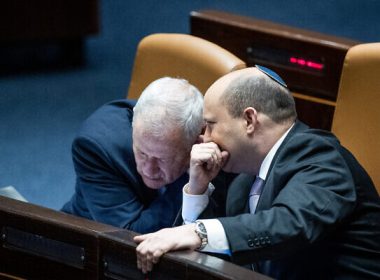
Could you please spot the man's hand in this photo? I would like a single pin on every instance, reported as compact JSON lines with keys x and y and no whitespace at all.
{"x":153,"y":245}
{"x":205,"y":163}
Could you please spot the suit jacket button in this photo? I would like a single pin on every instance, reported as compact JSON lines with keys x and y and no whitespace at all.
{"x":250,"y":243}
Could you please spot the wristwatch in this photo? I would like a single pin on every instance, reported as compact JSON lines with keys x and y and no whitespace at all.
{"x":200,"y":229}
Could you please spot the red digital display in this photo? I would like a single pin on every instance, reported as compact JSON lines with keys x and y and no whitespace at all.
{"x":306,"y":63}
{"x":282,"y":58}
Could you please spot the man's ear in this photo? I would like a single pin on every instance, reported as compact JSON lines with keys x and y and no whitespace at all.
{"x":250,"y":118}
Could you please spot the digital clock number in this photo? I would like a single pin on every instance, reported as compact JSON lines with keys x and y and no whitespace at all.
{"x":302,"y":62}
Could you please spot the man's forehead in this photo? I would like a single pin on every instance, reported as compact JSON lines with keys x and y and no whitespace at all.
{"x":212,"y":110}
{"x":213,"y":94}
{"x":208,"y":108}
{"x":156,"y":147}
{"x":212,"y":99}
{"x":143,"y":136}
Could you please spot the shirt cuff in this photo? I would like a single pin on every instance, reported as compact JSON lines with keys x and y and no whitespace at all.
{"x":193,"y":205}
{"x":216,"y":237}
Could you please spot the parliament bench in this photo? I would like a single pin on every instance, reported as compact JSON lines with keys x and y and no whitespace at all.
{"x":41,"y":243}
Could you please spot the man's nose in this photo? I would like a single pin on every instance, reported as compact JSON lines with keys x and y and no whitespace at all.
{"x":207,"y":136}
{"x":150,"y":167}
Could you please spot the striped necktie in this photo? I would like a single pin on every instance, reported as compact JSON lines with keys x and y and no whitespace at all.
{"x":255,"y":193}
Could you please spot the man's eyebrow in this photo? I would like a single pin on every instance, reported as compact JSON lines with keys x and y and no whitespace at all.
{"x":208,"y":121}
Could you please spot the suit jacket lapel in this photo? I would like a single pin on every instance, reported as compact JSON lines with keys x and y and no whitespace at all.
{"x":270,"y":188}
{"x":238,"y":192}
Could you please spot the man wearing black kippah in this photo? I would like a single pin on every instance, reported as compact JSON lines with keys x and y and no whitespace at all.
{"x":302,"y":208}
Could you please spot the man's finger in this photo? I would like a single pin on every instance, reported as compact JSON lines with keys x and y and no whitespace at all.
{"x":157,"y":255}
{"x":148,"y":265}
{"x":140,"y":238}
{"x":138,"y":263}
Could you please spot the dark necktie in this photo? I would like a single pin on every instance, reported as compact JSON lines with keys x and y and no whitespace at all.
{"x":255,"y":193}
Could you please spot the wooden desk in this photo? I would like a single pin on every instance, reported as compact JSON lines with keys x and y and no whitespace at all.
{"x":309,"y":62}
{"x":40,"y":243}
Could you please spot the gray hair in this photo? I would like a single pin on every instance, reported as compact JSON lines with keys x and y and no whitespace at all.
{"x":170,"y":104}
{"x":262,"y":93}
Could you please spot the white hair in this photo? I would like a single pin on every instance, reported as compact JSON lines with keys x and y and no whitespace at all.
{"x":169,"y":104}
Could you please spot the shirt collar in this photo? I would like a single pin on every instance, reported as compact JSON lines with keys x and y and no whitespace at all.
{"x":263,"y":172}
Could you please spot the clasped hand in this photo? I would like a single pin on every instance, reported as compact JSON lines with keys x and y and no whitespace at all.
{"x":205,"y":163}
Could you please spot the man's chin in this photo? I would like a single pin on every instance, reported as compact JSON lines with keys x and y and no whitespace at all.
{"x":227,"y":167}
{"x":154,"y":184}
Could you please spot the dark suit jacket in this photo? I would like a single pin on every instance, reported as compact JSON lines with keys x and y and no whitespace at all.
{"x":108,"y":187}
{"x":318,"y":216}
